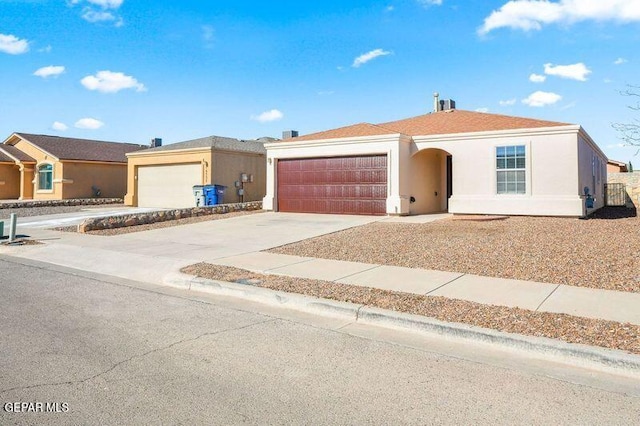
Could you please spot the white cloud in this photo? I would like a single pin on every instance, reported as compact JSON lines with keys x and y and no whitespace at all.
{"x":482,"y":109}
{"x":620,"y":61}
{"x":100,"y":11}
{"x":208,"y":36}
{"x":61,"y":127}
{"x":537,"y":78}
{"x":13,"y":45}
{"x":427,"y":3}
{"x":607,"y":81}
{"x":508,"y":102}
{"x":50,"y":71}
{"x":46,"y":49}
{"x":530,"y":15}
{"x":577,"y":71}
{"x":107,"y":4}
{"x":111,"y":82}
{"x":389,"y":8}
{"x":268,"y":116}
{"x":93,"y":16}
{"x":540,"y":99}
{"x":366,"y":57}
{"x":89,"y":123}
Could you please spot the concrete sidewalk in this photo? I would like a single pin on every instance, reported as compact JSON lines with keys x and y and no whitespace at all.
{"x":157,"y":256}
{"x":534,"y":296}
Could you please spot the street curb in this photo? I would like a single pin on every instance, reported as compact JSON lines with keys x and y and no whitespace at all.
{"x":325,"y":307}
{"x":588,"y":356}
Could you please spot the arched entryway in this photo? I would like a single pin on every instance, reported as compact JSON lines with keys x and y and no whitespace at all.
{"x":431,"y":181}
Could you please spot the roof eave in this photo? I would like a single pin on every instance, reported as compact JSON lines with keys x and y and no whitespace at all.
{"x":569,"y":128}
{"x":35,"y":146}
{"x":344,"y":140}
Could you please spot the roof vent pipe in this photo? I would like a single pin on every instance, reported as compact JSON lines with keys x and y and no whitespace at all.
{"x":436,"y":102}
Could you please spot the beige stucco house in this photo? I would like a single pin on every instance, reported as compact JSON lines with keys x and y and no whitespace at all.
{"x":164,"y":176}
{"x":46,"y":167}
{"x":449,"y":160}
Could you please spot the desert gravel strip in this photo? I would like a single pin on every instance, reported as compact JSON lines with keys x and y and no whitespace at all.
{"x":598,"y":253}
{"x":166,"y":224}
{"x":572,"y":329}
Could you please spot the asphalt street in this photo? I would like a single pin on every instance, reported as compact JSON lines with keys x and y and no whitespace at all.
{"x":111,"y":351}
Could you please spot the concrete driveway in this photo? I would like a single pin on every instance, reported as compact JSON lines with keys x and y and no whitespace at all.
{"x":234,"y":236}
{"x":151,"y":256}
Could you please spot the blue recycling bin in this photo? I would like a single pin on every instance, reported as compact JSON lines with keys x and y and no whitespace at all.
{"x":220,"y":193}
{"x":210,"y":195}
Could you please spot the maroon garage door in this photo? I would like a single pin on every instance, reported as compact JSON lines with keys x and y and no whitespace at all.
{"x":342,"y":185}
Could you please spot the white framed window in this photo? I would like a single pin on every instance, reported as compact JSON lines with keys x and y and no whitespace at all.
{"x":511,"y":169}
{"x":45,"y":177}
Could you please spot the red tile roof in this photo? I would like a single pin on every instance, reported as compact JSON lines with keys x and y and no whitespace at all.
{"x":360,"y":129}
{"x":439,"y":123}
{"x":82,"y":149}
{"x":460,"y":121}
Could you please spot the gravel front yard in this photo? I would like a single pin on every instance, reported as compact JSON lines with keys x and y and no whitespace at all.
{"x":599,"y":253}
{"x":572,"y":329}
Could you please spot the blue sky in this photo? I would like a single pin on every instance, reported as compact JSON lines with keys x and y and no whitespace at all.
{"x":128,"y":70}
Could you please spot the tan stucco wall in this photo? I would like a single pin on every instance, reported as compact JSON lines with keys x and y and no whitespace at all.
{"x":227,"y":168}
{"x":71,"y":179}
{"x":26,"y":181}
{"x":41,"y":158}
{"x":202,"y":156}
{"x":111,"y":179}
{"x":428,"y":181}
{"x":591,"y":162}
{"x":552,"y":172}
{"x":9,"y":181}
{"x":219,"y":167}
{"x":32,"y":151}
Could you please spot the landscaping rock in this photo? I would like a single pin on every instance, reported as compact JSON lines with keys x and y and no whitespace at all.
{"x":113,"y":222}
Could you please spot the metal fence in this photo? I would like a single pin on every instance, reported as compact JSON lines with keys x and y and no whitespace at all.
{"x":615,"y":194}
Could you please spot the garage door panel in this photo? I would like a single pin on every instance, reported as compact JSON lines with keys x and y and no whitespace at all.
{"x":347,"y":185}
{"x":168,"y":186}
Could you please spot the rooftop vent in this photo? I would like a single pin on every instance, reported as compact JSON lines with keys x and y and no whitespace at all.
{"x":155,"y":142}
{"x":447,"y":104}
{"x":442,"y":105}
{"x":288,"y":134}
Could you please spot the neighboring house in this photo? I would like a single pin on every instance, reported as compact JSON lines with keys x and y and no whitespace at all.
{"x":164,"y":176}
{"x":53,"y":168}
{"x":614,"y":166}
{"x":450,"y":160}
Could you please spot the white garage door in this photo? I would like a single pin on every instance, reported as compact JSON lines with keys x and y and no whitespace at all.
{"x":168,"y":186}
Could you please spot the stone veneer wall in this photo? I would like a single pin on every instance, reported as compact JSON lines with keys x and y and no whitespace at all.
{"x":632,"y":182}
{"x":52,"y":203}
{"x":122,"y":221}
